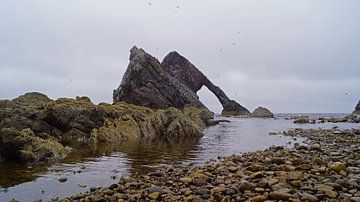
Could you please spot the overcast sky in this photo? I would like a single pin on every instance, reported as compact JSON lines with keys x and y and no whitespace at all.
{"x":289,"y":56}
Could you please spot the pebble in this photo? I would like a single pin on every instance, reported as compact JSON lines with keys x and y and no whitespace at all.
{"x":154,"y":195}
{"x":63,"y":179}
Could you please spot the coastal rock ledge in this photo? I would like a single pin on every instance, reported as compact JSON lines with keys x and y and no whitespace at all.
{"x":172,"y":83}
{"x":35,"y":128}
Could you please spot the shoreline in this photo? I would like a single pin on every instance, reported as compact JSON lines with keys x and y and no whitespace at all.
{"x":316,"y":172}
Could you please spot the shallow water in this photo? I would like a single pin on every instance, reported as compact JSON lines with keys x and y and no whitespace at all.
{"x":104,"y":165}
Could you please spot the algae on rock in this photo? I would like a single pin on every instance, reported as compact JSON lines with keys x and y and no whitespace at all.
{"x":24,"y":146}
{"x":72,"y":121}
{"x":142,"y":123}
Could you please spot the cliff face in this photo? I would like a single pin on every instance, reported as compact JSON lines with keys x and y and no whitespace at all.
{"x":146,"y":83}
{"x":357,"y":108}
{"x":173,"y":83}
{"x":183,"y":70}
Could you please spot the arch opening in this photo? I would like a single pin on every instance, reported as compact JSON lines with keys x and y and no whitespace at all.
{"x":209,"y":100}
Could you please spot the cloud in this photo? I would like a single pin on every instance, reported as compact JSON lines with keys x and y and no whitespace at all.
{"x":289,"y":56}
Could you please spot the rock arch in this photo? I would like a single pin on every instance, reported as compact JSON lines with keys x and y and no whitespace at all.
{"x":184,"y":71}
{"x":172,"y":83}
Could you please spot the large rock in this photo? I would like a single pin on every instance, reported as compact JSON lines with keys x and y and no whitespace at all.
{"x":142,"y":123}
{"x":184,"y":71}
{"x":173,"y":83}
{"x":25,"y":147}
{"x":357,"y":109}
{"x":34,"y":128}
{"x":146,"y":83}
{"x":262,"y":112}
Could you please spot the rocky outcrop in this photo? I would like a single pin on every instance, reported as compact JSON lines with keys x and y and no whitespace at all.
{"x":173,"y":83}
{"x":262,"y":112}
{"x":184,"y":71}
{"x":25,"y":147}
{"x":142,"y":123}
{"x":357,"y":109}
{"x":146,"y":83}
{"x":34,"y":128}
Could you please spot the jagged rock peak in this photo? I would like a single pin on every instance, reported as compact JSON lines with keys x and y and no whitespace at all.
{"x":182,"y":69}
{"x":173,"y":83}
{"x":357,"y":109}
{"x":146,"y":83}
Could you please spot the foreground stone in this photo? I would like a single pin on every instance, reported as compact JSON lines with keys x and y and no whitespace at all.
{"x":173,"y":83}
{"x":321,"y":171}
{"x":34,"y":128}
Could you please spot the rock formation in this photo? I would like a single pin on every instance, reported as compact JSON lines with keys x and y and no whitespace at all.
{"x":146,"y":83}
{"x":262,"y":112}
{"x":34,"y":128}
{"x":357,"y":109}
{"x":173,"y":83}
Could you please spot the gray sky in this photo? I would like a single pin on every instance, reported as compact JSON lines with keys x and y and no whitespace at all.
{"x":289,"y":56}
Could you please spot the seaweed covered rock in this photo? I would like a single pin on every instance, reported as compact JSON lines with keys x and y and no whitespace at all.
{"x":262,"y":112}
{"x":63,"y":119}
{"x":24,"y":146}
{"x":173,"y":83}
{"x":142,"y":123}
{"x":301,"y":119}
{"x":71,"y":121}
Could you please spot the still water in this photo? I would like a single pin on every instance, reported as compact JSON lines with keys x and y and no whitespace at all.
{"x":103,"y":166}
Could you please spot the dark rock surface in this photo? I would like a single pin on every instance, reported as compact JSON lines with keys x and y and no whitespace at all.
{"x":357,"y":109}
{"x":173,"y":83}
{"x":184,"y":71}
{"x":146,"y":83}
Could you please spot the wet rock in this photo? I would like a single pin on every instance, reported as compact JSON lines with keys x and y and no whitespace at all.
{"x":280,"y":196}
{"x":309,"y":197}
{"x":355,"y":199}
{"x":157,"y":189}
{"x":245,"y":185}
{"x":25,"y":146}
{"x":154,"y":195}
{"x":338,"y":166}
{"x":63,"y":179}
{"x":262,"y":112}
{"x":301,"y":119}
{"x":186,"y":180}
{"x":315,"y":146}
